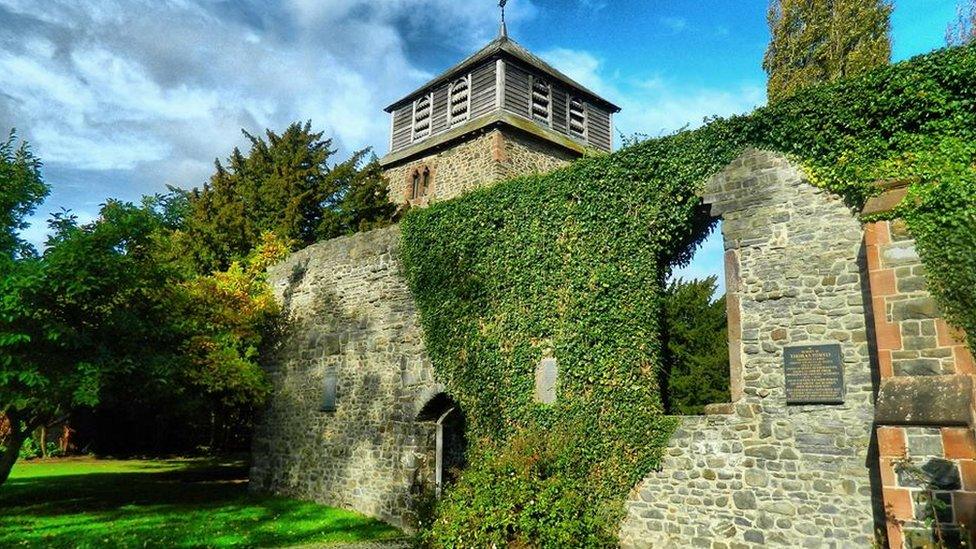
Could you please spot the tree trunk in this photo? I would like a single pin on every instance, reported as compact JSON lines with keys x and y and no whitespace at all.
{"x":42,"y":435}
{"x":9,"y":457}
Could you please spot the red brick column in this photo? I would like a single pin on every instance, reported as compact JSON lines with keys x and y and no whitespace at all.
{"x":913,"y":344}
{"x":910,"y":333}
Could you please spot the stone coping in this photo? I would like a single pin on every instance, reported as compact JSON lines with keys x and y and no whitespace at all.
{"x":895,"y":190}
{"x":927,"y":400}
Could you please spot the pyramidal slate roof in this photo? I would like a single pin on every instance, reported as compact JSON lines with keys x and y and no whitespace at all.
{"x":503,"y":46}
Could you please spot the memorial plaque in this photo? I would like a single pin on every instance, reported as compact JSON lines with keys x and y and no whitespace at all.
{"x":814,"y":374}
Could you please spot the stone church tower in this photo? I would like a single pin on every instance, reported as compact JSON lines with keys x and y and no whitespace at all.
{"x":500,"y":113}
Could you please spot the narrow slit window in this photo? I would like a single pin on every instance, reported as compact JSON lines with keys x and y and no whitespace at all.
{"x":460,"y":101}
{"x":331,"y":383}
{"x":420,"y":181}
{"x":425,"y":182}
{"x":577,"y":118}
{"x":421,"y":118}
{"x":415,"y":185}
{"x":541,"y":100}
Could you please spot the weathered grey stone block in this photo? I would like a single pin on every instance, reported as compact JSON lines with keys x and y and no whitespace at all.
{"x":546,"y":380}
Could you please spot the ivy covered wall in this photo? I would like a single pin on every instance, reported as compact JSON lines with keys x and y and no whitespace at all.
{"x":572,"y":265}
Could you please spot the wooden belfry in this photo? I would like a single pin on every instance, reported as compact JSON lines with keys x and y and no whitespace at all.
{"x":502,"y":86}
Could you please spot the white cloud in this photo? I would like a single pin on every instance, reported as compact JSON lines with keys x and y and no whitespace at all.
{"x":163,"y":87}
{"x":660,"y":106}
{"x":582,"y":66}
{"x":122,"y":97}
{"x":656,"y":105}
{"x":674,"y":24}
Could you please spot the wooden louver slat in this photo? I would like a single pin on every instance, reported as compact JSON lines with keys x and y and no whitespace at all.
{"x":421,"y":118}
{"x":541,"y":100}
{"x":577,"y":118}
{"x":460,"y":99}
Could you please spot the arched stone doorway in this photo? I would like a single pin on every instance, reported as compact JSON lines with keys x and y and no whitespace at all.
{"x":450,"y":443}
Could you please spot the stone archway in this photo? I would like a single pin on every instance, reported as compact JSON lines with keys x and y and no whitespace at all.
{"x":450,"y":443}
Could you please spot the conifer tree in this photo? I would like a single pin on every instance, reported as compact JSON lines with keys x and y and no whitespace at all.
{"x":285,"y":185}
{"x":962,"y":31}
{"x":696,"y":351}
{"x":819,"y":41}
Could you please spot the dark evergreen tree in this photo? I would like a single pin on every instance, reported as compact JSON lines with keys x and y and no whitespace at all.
{"x":284,"y":185}
{"x":697,"y":352}
{"x":819,"y":41}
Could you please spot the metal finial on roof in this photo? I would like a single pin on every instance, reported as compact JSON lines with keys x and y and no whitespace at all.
{"x":503,"y":31}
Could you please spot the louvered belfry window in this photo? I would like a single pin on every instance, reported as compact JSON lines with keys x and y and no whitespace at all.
{"x":541,"y":100}
{"x":421,"y":118}
{"x":460,"y":104}
{"x":577,"y":118}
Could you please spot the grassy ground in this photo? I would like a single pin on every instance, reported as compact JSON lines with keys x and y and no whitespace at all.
{"x":175,"y":503}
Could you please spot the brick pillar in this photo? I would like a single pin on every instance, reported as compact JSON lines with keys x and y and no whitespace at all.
{"x":925,"y":411}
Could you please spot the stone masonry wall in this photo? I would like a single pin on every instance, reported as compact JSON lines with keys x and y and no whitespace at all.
{"x":768,"y":473}
{"x":479,"y":161}
{"x":525,"y":155}
{"x":348,"y":311}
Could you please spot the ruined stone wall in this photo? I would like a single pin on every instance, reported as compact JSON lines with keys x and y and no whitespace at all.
{"x":768,"y":473}
{"x":755,"y":472}
{"x":481,"y":160}
{"x":348,"y":311}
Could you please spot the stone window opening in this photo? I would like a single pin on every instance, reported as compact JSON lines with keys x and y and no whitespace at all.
{"x":450,"y":442}
{"x":330,"y":392}
{"x":700,"y":332}
{"x":420,"y":183}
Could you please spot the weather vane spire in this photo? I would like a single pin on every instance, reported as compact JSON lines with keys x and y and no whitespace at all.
{"x":503,"y":32}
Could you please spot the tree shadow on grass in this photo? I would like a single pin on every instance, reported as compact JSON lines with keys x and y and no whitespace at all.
{"x":201,"y":505}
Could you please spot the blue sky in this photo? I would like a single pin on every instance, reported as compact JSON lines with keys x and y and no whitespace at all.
{"x":123,"y":97}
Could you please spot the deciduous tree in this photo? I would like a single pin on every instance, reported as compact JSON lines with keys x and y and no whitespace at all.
{"x":819,"y":41}
{"x":21,"y":190}
{"x":85,"y":308}
{"x":962,"y":31}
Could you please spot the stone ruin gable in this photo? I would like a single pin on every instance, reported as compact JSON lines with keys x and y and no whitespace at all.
{"x":765,"y":473}
{"x":348,"y":310}
{"x":480,"y":161}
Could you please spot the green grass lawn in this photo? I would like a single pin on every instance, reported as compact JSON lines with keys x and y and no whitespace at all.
{"x":173,"y":503}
